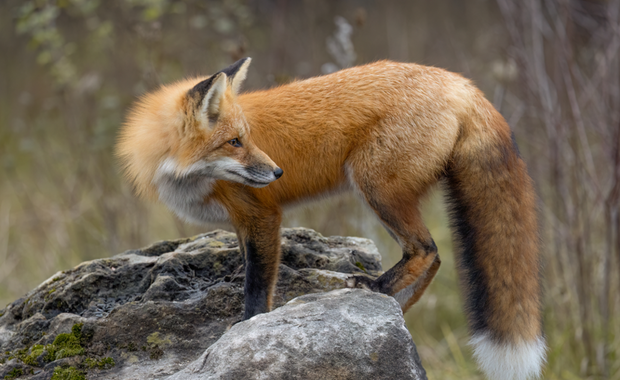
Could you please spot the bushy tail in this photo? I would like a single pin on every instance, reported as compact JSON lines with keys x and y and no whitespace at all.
{"x":493,"y":215}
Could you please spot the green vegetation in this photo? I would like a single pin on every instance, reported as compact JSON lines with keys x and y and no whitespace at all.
{"x":36,"y":351}
{"x":105,"y":363}
{"x":64,"y":346}
{"x":14,"y":373}
{"x":361,"y":266}
{"x":68,"y":373}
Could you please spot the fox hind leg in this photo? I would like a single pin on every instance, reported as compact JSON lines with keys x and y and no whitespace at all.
{"x":411,"y":294}
{"x":410,"y":277}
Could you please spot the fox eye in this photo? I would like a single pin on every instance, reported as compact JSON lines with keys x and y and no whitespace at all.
{"x":235,"y":142}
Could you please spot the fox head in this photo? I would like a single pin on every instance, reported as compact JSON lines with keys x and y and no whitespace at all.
{"x":193,"y":131}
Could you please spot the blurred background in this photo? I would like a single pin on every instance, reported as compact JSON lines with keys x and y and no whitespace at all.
{"x":70,"y":68}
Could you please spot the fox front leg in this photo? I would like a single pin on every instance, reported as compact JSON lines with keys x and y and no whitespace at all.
{"x":261,"y":244}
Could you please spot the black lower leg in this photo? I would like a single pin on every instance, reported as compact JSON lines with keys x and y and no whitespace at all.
{"x":257,"y":282}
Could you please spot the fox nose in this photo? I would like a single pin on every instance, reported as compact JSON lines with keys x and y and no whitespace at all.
{"x":278,"y":173}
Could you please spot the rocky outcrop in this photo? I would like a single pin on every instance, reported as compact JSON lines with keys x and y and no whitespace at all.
{"x":148,"y":313}
{"x":344,"y":334}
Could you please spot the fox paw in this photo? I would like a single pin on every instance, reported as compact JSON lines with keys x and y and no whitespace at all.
{"x":360,"y":282}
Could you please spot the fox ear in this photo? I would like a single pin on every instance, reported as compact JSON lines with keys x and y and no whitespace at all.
{"x":237,"y":72}
{"x":210,"y":92}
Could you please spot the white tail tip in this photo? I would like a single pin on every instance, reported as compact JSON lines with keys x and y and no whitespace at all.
{"x":507,"y":361}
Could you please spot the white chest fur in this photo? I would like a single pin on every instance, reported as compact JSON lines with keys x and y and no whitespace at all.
{"x":186,"y":192}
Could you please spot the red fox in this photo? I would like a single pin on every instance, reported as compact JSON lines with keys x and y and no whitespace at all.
{"x":387,"y":131}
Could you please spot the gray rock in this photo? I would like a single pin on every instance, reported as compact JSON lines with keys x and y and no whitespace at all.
{"x":157,"y":309}
{"x":344,"y":334}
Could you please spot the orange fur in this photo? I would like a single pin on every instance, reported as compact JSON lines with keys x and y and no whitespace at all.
{"x":388,"y":131}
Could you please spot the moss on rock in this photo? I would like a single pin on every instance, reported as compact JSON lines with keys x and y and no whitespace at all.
{"x":68,"y":373}
{"x":105,"y":363}
{"x":14,"y":373}
{"x":66,"y":345}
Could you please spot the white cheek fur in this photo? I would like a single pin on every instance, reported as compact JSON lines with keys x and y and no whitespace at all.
{"x":185,"y":192}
